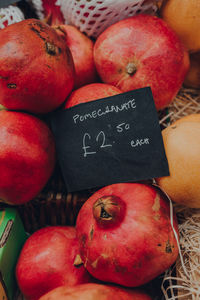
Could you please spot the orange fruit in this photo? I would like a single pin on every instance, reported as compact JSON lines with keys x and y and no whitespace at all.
{"x":184,"y":17}
{"x":182,"y":147}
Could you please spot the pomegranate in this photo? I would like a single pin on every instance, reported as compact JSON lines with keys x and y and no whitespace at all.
{"x":81,"y":48}
{"x":36,"y":67}
{"x":48,"y":260}
{"x":27,"y":156}
{"x":91,"y":92}
{"x":142,"y":51}
{"x":49,"y":10}
{"x":92,"y":291}
{"x":125,"y":235}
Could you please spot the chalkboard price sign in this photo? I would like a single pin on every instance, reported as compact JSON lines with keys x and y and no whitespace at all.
{"x":111,"y":140}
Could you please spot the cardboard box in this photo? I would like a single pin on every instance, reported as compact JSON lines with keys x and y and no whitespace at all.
{"x":12,"y":238}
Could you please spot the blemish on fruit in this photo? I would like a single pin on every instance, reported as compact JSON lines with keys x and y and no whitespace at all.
{"x":94,"y":264}
{"x":156,"y":205}
{"x":157,"y":217}
{"x":173,"y":127}
{"x":91,"y":233}
{"x":168,"y":248}
{"x":104,"y":255}
{"x":61,"y":30}
{"x":3,"y":77}
{"x":137,"y":265}
{"x":120,"y":269}
{"x":86,"y":261}
{"x":11,"y":85}
{"x":78,"y":261}
{"x":68,"y":53}
{"x":37,"y":32}
{"x":83,"y":239}
{"x":52,"y":49}
{"x":40,"y":25}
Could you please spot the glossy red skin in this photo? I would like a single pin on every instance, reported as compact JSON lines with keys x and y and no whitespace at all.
{"x":81,"y":48}
{"x":91,"y":92}
{"x":46,"y":262}
{"x":32,"y":79}
{"x":92,"y":291}
{"x":27,"y":156}
{"x":135,"y":250}
{"x":162,"y":62}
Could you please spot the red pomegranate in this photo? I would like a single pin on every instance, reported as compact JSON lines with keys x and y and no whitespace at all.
{"x":37,"y":70}
{"x":93,"y":291}
{"x":91,"y":92}
{"x":81,"y":48}
{"x":125,"y":235}
{"x":27,"y":156}
{"x":142,"y":51}
{"x":48,"y":260}
{"x":49,"y":10}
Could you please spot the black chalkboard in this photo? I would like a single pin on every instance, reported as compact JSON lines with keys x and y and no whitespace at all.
{"x":111,"y":140}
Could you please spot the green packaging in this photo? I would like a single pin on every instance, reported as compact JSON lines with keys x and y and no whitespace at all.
{"x":12,"y":238}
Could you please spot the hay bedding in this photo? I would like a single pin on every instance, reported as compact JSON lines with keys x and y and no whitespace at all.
{"x":185,"y":284}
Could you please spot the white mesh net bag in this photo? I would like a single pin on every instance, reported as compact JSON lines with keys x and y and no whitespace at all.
{"x":38,"y":6}
{"x":10,"y":15}
{"x":94,"y":16}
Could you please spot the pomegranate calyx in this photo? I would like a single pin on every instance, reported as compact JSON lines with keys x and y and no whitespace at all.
{"x":104,"y":214}
{"x":108,"y":210}
{"x":131,"y":68}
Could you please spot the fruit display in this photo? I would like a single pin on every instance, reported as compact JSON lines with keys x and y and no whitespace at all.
{"x":126,"y":240}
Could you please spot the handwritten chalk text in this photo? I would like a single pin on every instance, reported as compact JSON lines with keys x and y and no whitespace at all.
{"x":139,"y":142}
{"x":107,"y":110}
